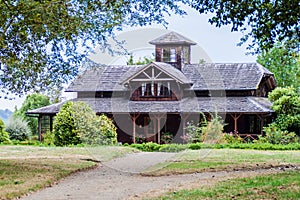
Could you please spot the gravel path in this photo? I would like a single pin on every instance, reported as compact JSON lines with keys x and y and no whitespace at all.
{"x":120,"y":179}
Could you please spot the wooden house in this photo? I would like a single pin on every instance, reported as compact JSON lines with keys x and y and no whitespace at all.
{"x":163,"y":96}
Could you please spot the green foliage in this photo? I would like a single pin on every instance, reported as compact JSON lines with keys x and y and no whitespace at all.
{"x":172,"y":147}
{"x":166,"y":138}
{"x":150,"y":147}
{"x":48,"y":138}
{"x":4,"y":136}
{"x":108,"y":131}
{"x":286,"y":104}
{"x":212,"y":133}
{"x":276,"y":136}
{"x":142,"y":61}
{"x":103,"y":132}
{"x":43,"y":42}
{"x":284,"y":63}
{"x":17,"y":129}
{"x":265,"y":22}
{"x":257,"y":145}
{"x":32,"y":102}
{"x":64,"y":126}
{"x":193,"y":132}
{"x":77,"y":122}
{"x":231,"y":138}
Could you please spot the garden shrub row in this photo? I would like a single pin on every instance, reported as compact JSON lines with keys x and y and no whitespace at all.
{"x":152,"y":147}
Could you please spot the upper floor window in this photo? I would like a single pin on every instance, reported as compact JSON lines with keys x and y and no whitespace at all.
{"x":186,"y":54}
{"x":155,"y":89}
{"x":169,"y":55}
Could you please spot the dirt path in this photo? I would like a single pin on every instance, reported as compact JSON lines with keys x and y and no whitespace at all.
{"x":120,"y":179}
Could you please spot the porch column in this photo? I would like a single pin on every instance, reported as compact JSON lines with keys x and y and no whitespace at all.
{"x":40,"y":127}
{"x":134,"y":117}
{"x":235,"y":118}
{"x":184,"y":117}
{"x":158,"y":118}
{"x":51,"y":123}
{"x":261,"y":123}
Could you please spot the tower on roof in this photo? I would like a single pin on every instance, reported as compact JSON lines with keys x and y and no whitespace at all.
{"x":173,"y":48}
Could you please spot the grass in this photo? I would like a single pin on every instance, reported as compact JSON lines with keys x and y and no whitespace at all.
{"x":277,"y":186}
{"x":191,"y":161}
{"x":24,"y":169}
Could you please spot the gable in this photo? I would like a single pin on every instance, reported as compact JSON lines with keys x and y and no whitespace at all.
{"x":157,"y":71}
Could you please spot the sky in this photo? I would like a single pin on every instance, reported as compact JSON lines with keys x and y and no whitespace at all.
{"x":214,"y":44}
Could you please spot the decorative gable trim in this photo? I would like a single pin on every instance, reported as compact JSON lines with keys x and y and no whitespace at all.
{"x":172,"y":73}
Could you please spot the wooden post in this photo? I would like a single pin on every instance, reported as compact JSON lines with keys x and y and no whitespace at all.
{"x":134,"y":117}
{"x":261,"y":123}
{"x":235,"y":118}
{"x":51,"y":123}
{"x":184,"y":117}
{"x":158,"y":129}
{"x":40,"y":127}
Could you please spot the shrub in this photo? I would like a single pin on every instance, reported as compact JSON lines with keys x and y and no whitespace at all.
{"x":167,"y":138}
{"x":76,"y":123}
{"x":194,"y":132}
{"x":276,"y":136}
{"x":4,"y":136}
{"x":195,"y":146}
{"x":172,"y":147}
{"x":104,"y":132}
{"x":212,"y":133}
{"x":48,"y":138}
{"x":231,"y":138}
{"x":17,"y":129}
{"x":64,"y":127}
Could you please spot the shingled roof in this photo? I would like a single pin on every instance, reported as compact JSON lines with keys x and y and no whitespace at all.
{"x":209,"y":76}
{"x":225,"y":76}
{"x":172,"y":38}
{"x":103,"y":78}
{"x":186,"y":105}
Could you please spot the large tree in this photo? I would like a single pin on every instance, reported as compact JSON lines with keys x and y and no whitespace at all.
{"x":284,"y":63}
{"x":40,"y":39}
{"x":265,"y":22}
{"x":42,"y":42}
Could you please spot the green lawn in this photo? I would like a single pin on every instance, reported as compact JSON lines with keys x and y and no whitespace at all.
{"x":191,"y":161}
{"x":29,"y":168}
{"x":276,"y":186}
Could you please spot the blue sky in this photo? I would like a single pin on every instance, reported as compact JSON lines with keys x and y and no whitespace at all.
{"x":220,"y":44}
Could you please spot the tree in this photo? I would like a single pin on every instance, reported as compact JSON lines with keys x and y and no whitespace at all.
{"x":286,"y":104}
{"x":32,"y":101}
{"x":42,"y":43}
{"x":142,"y":61}
{"x":265,"y":22}
{"x":4,"y":136}
{"x":284,"y":64}
{"x":17,"y":129}
{"x":65,"y":132}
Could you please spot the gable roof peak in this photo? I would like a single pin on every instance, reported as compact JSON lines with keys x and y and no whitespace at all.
{"x":166,"y":68}
{"x":172,"y":38}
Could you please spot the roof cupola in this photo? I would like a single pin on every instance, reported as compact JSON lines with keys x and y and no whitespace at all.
{"x":173,"y":48}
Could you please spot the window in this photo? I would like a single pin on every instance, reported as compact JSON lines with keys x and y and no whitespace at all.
{"x":185,"y":54}
{"x":169,"y":55}
{"x":172,"y":55}
{"x":155,"y":89}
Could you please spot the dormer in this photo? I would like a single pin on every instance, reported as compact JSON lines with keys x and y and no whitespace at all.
{"x":173,"y":48}
{"x":156,"y":82}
